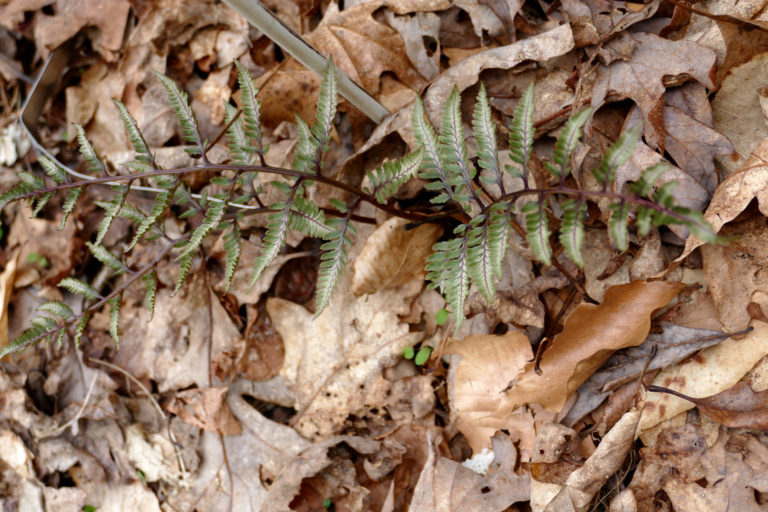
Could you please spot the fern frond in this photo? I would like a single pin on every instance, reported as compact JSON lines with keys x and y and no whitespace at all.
{"x":617,"y":225}
{"x":644,"y":185}
{"x":309,"y":219}
{"x":522,"y":132}
{"x":565,"y":144}
{"x":432,"y":165}
{"x":79,"y":288}
{"x":274,"y":239}
{"x":453,"y":150}
{"x":537,"y":230}
{"x":213,"y":216}
{"x":89,"y":154}
{"x":232,"y":254}
{"x":111,"y":209}
{"x":487,"y":239}
{"x":306,"y":147}
{"x":185,"y":264}
{"x":326,"y":108}
{"x":143,"y":153}
{"x":69,"y":204}
{"x":332,"y":263}
{"x":572,"y":229}
{"x":40,"y":201}
{"x":80,"y":329}
{"x":107,"y":258}
{"x":448,"y":270}
{"x":180,"y":106}
{"x":114,"y":317}
{"x":389,"y":177}
{"x":34,"y":333}
{"x":150,"y":291}
{"x":251,"y":106}
{"x":617,"y":155}
{"x":13,"y":194}
{"x":236,"y":137}
{"x":485,"y":135}
{"x":57,"y":309}
{"x":52,"y":169}
{"x":160,"y":205}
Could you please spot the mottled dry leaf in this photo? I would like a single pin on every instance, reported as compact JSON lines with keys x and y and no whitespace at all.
{"x":673,"y":345}
{"x":445,"y":485}
{"x":641,"y":77}
{"x":333,"y":362}
{"x":593,"y":22}
{"x":541,"y":47}
{"x":712,"y":371}
{"x":205,"y":408}
{"x":70,"y":16}
{"x":590,"y":335}
{"x":393,"y":255}
{"x":481,"y":368}
{"x":583,"y":484}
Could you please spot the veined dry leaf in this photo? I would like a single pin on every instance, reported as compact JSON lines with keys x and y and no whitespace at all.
{"x":205,"y":408}
{"x":641,"y":77}
{"x":583,"y":484}
{"x":334,"y":362}
{"x":446,"y":486}
{"x":736,"y":407}
{"x":393,"y":255}
{"x":481,"y":368}
{"x":712,"y":371}
{"x":590,"y":335}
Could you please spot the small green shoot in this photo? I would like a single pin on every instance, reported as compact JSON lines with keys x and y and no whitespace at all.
{"x":89,"y":508}
{"x":423,"y":355}
{"x":441,"y":316}
{"x":37,"y":258}
{"x":408,"y":353}
{"x":327,"y":503}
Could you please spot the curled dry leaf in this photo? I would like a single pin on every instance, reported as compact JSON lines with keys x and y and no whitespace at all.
{"x":481,"y":368}
{"x":712,"y":371}
{"x":590,"y":335}
{"x":393,"y":255}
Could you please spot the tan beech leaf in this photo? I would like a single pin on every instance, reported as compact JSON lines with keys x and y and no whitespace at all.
{"x":393,"y":255}
{"x":552,"y":43}
{"x":333,"y":363}
{"x":445,"y":485}
{"x":481,"y":368}
{"x":735,"y":193}
{"x":736,"y":407}
{"x":641,"y":76}
{"x":583,"y":484}
{"x":205,"y":408}
{"x":590,"y":336}
{"x":712,"y":371}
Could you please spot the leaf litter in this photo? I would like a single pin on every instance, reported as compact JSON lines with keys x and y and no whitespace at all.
{"x":549,"y":398}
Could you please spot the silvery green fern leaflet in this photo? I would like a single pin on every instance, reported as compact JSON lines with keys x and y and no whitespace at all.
{"x":471,"y":192}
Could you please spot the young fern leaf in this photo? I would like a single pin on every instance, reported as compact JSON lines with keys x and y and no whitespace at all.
{"x":431,"y":164}
{"x":273,"y":242}
{"x":150,"y":291}
{"x":183,"y":112}
{"x":185,"y":264}
{"x":34,"y":333}
{"x":565,"y":144}
{"x":80,"y":329}
{"x":57,"y":309}
{"x":309,"y":219}
{"x":388,"y":178}
{"x":111,"y":209}
{"x":522,"y":132}
{"x":332,"y":262}
{"x":213,"y":216}
{"x":448,"y":269}
{"x":617,"y":225}
{"x":232,"y":254}
{"x":69,"y":204}
{"x":251,"y":109}
{"x":326,"y":110}
{"x":161,"y":204}
{"x":144,"y":158}
{"x":79,"y":288}
{"x":52,"y":169}
{"x":617,"y":155}
{"x":107,"y":258}
{"x":306,"y":147}
{"x":236,"y":137}
{"x":572,"y":229}
{"x":537,"y":230}
{"x":453,"y":151}
{"x":95,"y":165}
{"x":479,"y":260}
{"x":114,"y":317}
{"x":485,"y":135}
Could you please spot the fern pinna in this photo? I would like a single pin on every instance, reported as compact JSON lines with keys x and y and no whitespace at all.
{"x":471,"y":256}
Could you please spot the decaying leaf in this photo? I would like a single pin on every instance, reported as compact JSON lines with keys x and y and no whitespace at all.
{"x":393,"y":255}
{"x":590,"y":335}
{"x":712,"y":371}
{"x":205,"y":408}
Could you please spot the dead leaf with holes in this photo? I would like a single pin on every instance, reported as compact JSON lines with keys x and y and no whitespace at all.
{"x":642,"y":76}
{"x":590,"y":335}
{"x":393,"y":255}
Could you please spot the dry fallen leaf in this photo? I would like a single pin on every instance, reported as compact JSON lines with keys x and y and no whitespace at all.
{"x":590,"y":335}
{"x":712,"y":371}
{"x":7,"y":278}
{"x":205,"y":408}
{"x":393,"y":255}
